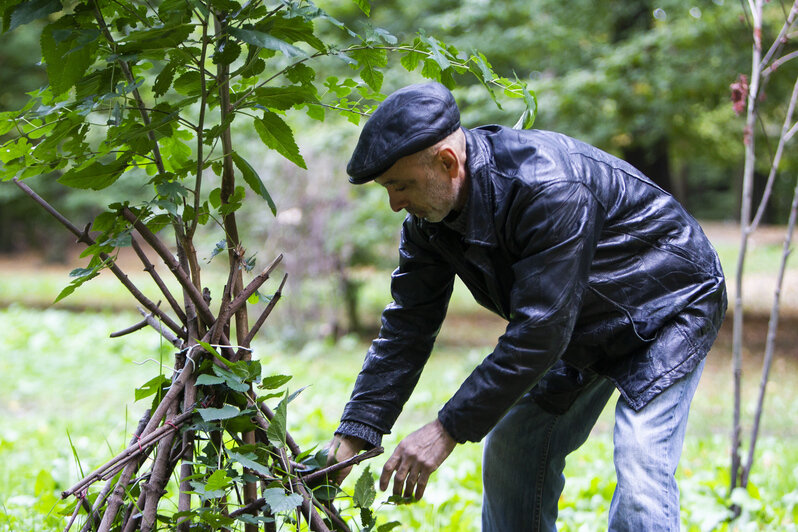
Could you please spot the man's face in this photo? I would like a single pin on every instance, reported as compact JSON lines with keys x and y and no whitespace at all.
{"x":424,"y":190}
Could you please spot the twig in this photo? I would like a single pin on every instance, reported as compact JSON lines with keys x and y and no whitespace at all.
{"x":269,"y":415}
{"x":123,"y":278}
{"x":770,"y":344}
{"x":131,"y":81}
{"x":265,"y":314}
{"x":315,"y":521}
{"x":783,"y":138}
{"x":310,"y":478}
{"x":244,"y":294}
{"x":186,"y":468}
{"x":74,"y":516}
{"x":94,"y":515}
{"x":150,"y":320}
{"x":130,"y":452}
{"x":181,"y":276}
{"x":154,"y":487}
{"x":150,"y":268}
{"x":133,"y":328}
{"x":227,"y":296}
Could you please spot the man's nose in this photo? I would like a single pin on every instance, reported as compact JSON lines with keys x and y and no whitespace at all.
{"x":397,"y":201}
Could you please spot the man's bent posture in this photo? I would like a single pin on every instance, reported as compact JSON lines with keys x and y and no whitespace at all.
{"x":604,"y":280}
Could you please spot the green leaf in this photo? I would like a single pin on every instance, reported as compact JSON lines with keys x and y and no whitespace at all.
{"x":233,"y":381}
{"x":32,"y":10}
{"x":252,"y":179}
{"x":208,"y":380}
{"x":226,"y":52}
{"x":96,"y":175}
{"x":316,"y":112}
{"x":218,"y":248}
{"x":104,"y":222}
{"x":164,"y":37}
{"x":276,"y":431}
{"x":67,"y":59}
{"x":199,"y":489}
{"x":189,"y":83}
{"x":249,"y":460}
{"x":277,"y":135}
{"x":274,"y":381}
{"x":300,"y":73}
{"x":218,"y":480}
{"x":71,"y":287}
{"x":293,"y":29}
{"x":528,"y":116}
{"x":279,"y":501}
{"x":364,"y":490}
{"x":81,"y":275}
{"x":164,"y":80}
{"x":150,"y":387}
{"x":364,"y":5}
{"x":264,"y":40}
{"x":387,"y":527}
{"x":284,"y":98}
{"x":437,"y":50}
{"x":411,"y":59}
{"x":215,"y":414}
{"x":7,"y":122}
{"x":209,"y":348}
{"x":367,"y":518}
{"x":370,"y":61}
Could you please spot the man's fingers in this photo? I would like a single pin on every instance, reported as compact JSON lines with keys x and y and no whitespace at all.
{"x":332,"y":450}
{"x":422,"y":485}
{"x":342,"y":448}
{"x":400,"y":478}
{"x":410,"y":483}
{"x":387,"y":471}
{"x":342,"y":474}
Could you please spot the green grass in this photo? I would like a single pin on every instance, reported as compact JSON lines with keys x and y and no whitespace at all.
{"x":62,"y":378}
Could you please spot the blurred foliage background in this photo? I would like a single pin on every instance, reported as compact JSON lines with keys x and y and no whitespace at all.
{"x":646,"y":80}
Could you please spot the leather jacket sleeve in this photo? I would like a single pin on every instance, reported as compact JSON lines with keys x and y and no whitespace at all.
{"x":551,"y":233}
{"x":421,"y":287}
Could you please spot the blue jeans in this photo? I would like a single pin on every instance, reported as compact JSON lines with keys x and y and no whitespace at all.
{"x":524,"y":457}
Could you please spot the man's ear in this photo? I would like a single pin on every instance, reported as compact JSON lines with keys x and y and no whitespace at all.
{"x":450,"y":161}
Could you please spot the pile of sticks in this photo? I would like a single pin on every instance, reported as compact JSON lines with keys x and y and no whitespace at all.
{"x":168,"y":432}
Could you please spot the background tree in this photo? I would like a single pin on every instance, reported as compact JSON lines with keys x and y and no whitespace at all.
{"x":647,"y":81}
{"x":770,"y":51}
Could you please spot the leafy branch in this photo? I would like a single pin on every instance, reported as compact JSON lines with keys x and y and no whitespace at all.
{"x":149,"y":92}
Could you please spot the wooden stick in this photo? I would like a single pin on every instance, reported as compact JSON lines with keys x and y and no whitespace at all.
{"x":154,"y":488}
{"x":123,"y":278}
{"x":150,"y":320}
{"x":354,"y":460}
{"x":150,"y":268}
{"x":181,"y":276}
{"x":130,"y":452}
{"x":265,"y":314}
{"x":133,"y":328}
{"x":253,"y":285}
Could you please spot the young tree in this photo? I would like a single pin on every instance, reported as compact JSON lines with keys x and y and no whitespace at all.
{"x":151,"y":93}
{"x":747,"y":95}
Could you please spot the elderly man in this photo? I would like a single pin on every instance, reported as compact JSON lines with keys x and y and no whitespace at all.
{"x":604,"y":280}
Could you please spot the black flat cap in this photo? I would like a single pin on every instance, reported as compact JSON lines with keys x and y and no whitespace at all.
{"x":409,"y":120}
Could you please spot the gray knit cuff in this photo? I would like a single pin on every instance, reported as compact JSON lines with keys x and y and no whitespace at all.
{"x":365,"y":432}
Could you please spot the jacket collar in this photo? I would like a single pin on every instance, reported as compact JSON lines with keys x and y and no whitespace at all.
{"x":480,"y":225}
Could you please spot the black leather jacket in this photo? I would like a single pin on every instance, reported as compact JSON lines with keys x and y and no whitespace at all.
{"x":596,"y":269}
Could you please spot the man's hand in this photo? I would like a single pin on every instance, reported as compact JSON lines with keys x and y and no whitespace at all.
{"x":415,"y":458}
{"x":342,"y":448}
